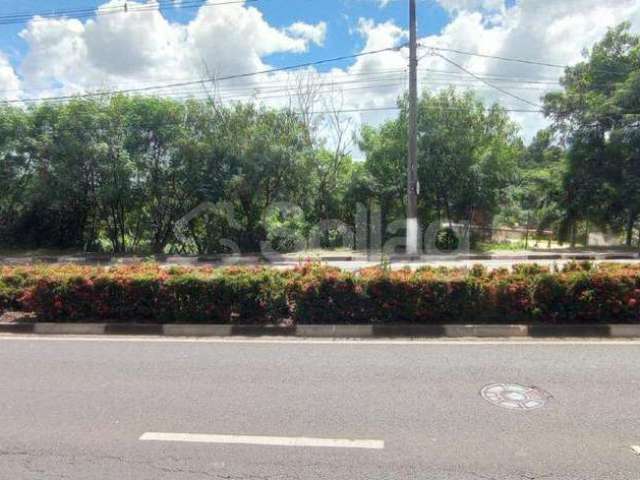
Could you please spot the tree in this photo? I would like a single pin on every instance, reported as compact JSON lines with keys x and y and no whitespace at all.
{"x":16,"y":169}
{"x":383,"y":179}
{"x":266,"y":149}
{"x":598,"y":115}
{"x":536,"y":196}
{"x":467,"y":157}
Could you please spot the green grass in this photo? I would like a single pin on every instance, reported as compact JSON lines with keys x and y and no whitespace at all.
{"x":501,"y":246}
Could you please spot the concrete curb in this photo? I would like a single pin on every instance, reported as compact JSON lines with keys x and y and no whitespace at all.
{"x":69,"y":329}
{"x":329,"y":331}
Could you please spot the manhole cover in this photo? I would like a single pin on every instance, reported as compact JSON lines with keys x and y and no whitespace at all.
{"x":515,"y":397}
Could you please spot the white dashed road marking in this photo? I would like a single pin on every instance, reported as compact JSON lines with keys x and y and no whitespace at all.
{"x":260,"y":440}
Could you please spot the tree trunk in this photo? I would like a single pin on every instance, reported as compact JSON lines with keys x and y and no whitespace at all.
{"x":588,"y":228}
{"x":630,"y":224}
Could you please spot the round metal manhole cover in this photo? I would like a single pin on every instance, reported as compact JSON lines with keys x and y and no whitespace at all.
{"x":515,"y":397}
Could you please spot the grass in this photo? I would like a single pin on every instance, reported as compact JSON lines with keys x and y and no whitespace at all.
{"x":500,"y":246}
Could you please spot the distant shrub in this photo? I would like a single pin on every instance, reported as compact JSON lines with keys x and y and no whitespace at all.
{"x":447,"y":240}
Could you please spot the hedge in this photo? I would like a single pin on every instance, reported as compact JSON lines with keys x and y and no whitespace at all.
{"x":313,"y":294}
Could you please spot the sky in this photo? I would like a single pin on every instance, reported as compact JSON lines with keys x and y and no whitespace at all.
{"x":155,"y":44}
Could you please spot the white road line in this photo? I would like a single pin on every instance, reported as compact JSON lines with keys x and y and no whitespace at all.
{"x":262,"y":440}
{"x":313,"y":341}
{"x":636,"y":449}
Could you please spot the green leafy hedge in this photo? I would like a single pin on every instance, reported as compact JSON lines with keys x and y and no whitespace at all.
{"x":315,"y":294}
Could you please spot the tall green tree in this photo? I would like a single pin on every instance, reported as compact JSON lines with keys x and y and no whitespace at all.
{"x":467,"y":157}
{"x":536,"y":197}
{"x":598,"y":114}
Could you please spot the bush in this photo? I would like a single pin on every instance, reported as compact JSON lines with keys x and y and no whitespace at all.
{"x":313,"y":294}
{"x":318,"y":295}
{"x":13,"y":284}
{"x":447,"y":240}
{"x":285,"y":227}
{"x":150,"y":294}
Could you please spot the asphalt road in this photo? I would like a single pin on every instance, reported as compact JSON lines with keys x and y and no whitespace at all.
{"x":76,"y":409}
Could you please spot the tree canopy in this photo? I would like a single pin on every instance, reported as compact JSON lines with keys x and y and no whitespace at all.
{"x":118,"y":173}
{"x":598,"y":116}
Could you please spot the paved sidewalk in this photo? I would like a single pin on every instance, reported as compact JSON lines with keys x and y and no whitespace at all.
{"x":345,"y":261}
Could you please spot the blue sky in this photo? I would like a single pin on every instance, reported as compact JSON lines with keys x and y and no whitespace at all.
{"x":341,"y":17}
{"x":65,"y":57}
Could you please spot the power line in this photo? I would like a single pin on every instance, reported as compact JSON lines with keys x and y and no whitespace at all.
{"x":325,"y":86}
{"x":371,"y":73}
{"x":208,"y":80}
{"x":338,"y":79}
{"x":103,"y":11}
{"x":288,"y":82}
{"x":486,"y":82}
{"x":369,"y":78}
{"x":520,"y":60}
{"x":506,"y":59}
{"x":520,"y":79}
{"x":281,"y":90}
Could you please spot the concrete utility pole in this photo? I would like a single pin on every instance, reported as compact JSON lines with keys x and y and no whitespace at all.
{"x":412,"y":167}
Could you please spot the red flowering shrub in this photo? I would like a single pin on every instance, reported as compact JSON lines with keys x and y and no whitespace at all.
{"x":603,"y":297}
{"x":150,"y":294}
{"x":13,"y":283}
{"x":326,"y":295}
{"x":316,"y":294}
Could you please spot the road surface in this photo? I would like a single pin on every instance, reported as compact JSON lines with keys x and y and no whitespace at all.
{"x":121,"y":408}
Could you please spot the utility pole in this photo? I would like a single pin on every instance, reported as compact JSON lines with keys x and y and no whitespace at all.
{"x":412,"y":167}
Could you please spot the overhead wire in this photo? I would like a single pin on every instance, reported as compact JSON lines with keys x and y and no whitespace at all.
{"x":84,"y":13}
{"x":496,"y":87}
{"x":496,"y":57}
{"x":262,"y":91}
{"x":212,"y":79}
{"x":516,"y":60}
{"x":345,"y":74}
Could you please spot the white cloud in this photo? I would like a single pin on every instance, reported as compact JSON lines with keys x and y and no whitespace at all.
{"x":132,"y":49}
{"x":9,"y":81}
{"x":557,"y":33}
{"x":457,"y":5}
{"x":56,"y":49}
{"x":133,"y":43}
{"x":378,"y":37}
{"x":314,"y":33}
